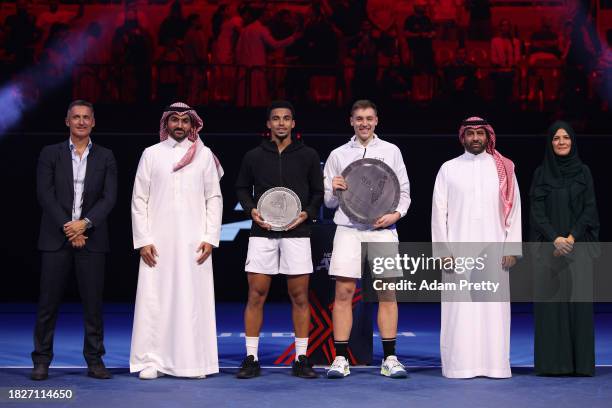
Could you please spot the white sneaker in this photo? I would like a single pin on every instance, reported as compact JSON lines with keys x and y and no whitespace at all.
{"x":339,"y":368}
{"x":150,"y":373}
{"x":391,"y":367}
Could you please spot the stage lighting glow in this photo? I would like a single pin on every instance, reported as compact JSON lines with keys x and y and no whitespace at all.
{"x":13,"y":100}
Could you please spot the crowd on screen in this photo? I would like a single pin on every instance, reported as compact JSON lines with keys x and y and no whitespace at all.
{"x":325,"y":51}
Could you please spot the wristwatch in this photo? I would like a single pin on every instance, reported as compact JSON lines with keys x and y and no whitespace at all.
{"x":88,"y":223}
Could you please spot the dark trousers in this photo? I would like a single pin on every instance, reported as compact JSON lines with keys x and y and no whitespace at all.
{"x":56,"y":268}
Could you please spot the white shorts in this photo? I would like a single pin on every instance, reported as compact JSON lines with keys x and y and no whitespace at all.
{"x":271,"y":256}
{"x":347,"y":259}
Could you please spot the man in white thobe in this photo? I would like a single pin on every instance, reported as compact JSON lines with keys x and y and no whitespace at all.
{"x":176,"y":221}
{"x":476,"y":199}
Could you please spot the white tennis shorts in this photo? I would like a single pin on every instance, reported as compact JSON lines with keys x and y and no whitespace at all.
{"x":347,"y":259}
{"x":271,"y":256}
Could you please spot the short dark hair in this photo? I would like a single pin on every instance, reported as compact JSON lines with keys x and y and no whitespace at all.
{"x":80,"y":102}
{"x":363,"y":104}
{"x":280,"y":105}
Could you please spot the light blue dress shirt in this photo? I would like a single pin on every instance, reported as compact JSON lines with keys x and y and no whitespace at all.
{"x":79,"y":168}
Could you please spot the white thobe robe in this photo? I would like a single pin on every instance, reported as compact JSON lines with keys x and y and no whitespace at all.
{"x":466,"y":207}
{"x":174,"y":319}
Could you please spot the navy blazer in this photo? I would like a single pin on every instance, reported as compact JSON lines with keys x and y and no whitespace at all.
{"x":55,"y":192}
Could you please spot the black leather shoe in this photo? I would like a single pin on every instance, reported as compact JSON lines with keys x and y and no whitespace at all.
{"x":303,"y":368}
{"x":249,"y":368}
{"x":99,"y":371}
{"x":40,"y":372}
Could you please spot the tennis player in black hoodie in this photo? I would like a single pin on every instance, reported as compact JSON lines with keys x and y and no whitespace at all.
{"x":281,"y":161}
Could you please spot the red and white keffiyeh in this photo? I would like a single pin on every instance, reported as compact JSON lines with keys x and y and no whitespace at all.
{"x":180,"y":109}
{"x":505,"y":166}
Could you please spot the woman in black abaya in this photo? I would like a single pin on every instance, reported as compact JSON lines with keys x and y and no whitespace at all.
{"x":564,"y":219}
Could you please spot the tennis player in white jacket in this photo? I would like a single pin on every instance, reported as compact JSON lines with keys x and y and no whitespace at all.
{"x":346,"y":261}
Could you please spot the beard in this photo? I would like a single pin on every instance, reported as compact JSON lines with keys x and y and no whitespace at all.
{"x":178,"y":137}
{"x":475,"y":148}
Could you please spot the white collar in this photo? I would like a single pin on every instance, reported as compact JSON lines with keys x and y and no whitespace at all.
{"x":482,"y":156}
{"x":72,"y":146}
{"x":356,"y":143}
{"x":183,"y":144}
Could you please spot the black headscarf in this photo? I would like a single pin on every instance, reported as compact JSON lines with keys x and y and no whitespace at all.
{"x":561,"y":170}
{"x":563,"y":195}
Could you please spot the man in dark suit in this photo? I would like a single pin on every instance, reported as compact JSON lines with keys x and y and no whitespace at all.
{"x":76,"y":188}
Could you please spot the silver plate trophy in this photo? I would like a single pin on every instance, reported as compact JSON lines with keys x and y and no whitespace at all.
{"x":279,"y":207}
{"x":373,"y":190}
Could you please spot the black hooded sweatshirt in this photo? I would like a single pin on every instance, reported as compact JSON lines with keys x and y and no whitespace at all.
{"x":298,"y":168}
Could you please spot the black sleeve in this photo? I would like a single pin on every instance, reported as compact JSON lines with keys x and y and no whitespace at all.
{"x":102,"y":208}
{"x":589,"y":218}
{"x":244,"y":185}
{"x":45,"y":188}
{"x":537,"y":214}
{"x":315,"y":179}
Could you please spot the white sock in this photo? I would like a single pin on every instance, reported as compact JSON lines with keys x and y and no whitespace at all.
{"x":301,"y":345}
{"x":251,"y":346}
